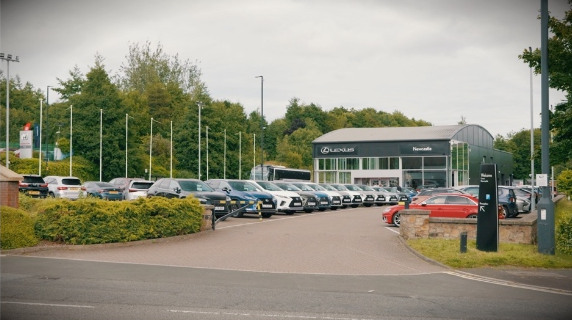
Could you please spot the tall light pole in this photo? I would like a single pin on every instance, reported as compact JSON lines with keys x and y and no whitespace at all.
{"x":100,"y":142}
{"x":47,"y":127}
{"x":40,"y":153}
{"x":533,"y":196}
{"x":151,"y":147}
{"x":207,"y":152}
{"x":200,"y":107}
{"x":71,"y":138}
{"x":171,"y":154}
{"x":8,"y":58}
{"x":261,"y":126}
{"x":240,"y":155}
{"x":224,"y":157}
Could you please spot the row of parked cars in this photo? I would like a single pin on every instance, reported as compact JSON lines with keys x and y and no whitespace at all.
{"x":240,"y":196}
{"x":462,"y":202}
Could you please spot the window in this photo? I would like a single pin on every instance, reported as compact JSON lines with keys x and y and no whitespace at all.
{"x":394,"y":163}
{"x":327,"y":164}
{"x":411,"y":162}
{"x":434,"y":162}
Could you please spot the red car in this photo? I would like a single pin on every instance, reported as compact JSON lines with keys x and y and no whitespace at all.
{"x":441,"y":205}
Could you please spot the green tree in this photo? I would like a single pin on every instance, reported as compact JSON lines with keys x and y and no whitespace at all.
{"x":560,"y":78}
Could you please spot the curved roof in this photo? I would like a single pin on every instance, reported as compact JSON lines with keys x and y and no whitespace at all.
{"x":395,"y":133}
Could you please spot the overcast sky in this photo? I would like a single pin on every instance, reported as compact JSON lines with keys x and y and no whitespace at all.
{"x":437,"y":60}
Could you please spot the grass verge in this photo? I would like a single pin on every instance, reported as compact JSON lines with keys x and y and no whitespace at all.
{"x":448,"y":252}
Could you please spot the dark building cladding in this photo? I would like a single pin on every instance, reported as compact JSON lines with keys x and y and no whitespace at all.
{"x":443,"y":156}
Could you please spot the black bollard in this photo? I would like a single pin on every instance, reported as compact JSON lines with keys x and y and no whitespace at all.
{"x":463,"y":242}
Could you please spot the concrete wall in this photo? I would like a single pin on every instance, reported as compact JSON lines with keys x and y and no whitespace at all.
{"x":417,"y":224}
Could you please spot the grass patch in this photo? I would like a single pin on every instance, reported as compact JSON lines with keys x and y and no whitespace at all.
{"x":448,"y":252}
{"x":509,"y":254}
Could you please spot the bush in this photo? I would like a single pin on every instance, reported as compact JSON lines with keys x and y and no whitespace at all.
{"x":17,"y":229}
{"x":92,"y":221}
{"x":563,"y":226}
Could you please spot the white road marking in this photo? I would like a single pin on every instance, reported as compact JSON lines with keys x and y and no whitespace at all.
{"x":48,"y":304}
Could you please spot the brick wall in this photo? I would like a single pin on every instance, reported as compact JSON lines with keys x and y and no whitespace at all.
{"x":417,"y":224}
{"x":9,"y":193}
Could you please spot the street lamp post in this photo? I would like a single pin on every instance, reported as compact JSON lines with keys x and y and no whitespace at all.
{"x":71,"y":138}
{"x":151,"y":147}
{"x":40,"y":153}
{"x":8,"y":58}
{"x":240,"y":155}
{"x":207,"y":152}
{"x":100,"y":142}
{"x":533,"y":197}
{"x":261,"y":126}
{"x":171,"y":154}
{"x":200,"y":107}
{"x":224,"y":157}
{"x":47,"y":127}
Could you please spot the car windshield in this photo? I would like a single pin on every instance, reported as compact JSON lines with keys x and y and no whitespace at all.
{"x":71,"y":182}
{"x":328,"y":187}
{"x":352,"y":187}
{"x":318,"y":187}
{"x":33,"y":179}
{"x":103,"y":184}
{"x":192,"y":185}
{"x":288,"y":187}
{"x":141,"y":185}
{"x":242,"y":186}
{"x":303,"y":187}
{"x":366,"y":188}
{"x":269,"y":186}
{"x":339,"y":187}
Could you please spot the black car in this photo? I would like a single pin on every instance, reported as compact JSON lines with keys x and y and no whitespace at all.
{"x":182,"y":188}
{"x":34,"y":186}
{"x":246,"y":197}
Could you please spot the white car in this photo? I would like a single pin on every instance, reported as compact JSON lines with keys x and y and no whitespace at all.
{"x":137,"y":189}
{"x":335,"y":196}
{"x":64,"y":187}
{"x":286,"y":201}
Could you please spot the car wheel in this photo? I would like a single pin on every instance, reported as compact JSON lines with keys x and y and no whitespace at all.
{"x":51,"y":195}
{"x":396,"y":219}
{"x":472,"y":216}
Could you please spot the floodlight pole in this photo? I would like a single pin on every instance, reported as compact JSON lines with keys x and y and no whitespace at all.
{"x":8,"y":58}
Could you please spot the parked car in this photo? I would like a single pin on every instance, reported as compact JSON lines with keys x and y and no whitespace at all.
{"x":287,"y":202}
{"x":386,"y":197}
{"x":123,"y":183}
{"x":505,"y":196}
{"x":345,"y":196}
{"x":334,"y":196}
{"x":357,"y":199}
{"x":523,"y":199}
{"x":64,"y":187}
{"x":137,"y":189}
{"x":102,"y":190}
{"x":368,"y":197}
{"x":427,"y":193}
{"x":324,"y":202}
{"x":33,"y":186}
{"x":442,"y":205}
{"x":309,"y":199}
{"x":245,"y":196}
{"x":369,"y":194}
{"x":402,"y":195}
{"x":182,"y":188}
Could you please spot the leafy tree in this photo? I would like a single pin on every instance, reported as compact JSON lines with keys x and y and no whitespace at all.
{"x":560,"y":78}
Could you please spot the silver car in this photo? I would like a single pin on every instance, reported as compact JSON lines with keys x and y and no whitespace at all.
{"x":64,"y":187}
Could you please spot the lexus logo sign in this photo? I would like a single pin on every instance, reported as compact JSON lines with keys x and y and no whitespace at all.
{"x":328,"y":150}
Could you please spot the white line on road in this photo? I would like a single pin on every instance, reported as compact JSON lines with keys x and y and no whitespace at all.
{"x":48,"y":304}
{"x":265,"y":315}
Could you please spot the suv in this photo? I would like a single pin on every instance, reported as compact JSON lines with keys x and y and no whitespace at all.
{"x":245,"y":196}
{"x":64,"y":187}
{"x":182,"y":188}
{"x":123,"y":183}
{"x":34,"y":186}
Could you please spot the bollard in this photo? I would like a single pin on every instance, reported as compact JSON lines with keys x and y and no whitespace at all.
{"x":463,"y":242}
{"x":407,"y":204}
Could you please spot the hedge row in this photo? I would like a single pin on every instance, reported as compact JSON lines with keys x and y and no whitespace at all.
{"x":93,"y":221}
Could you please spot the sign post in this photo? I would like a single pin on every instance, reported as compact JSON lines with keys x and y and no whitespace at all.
{"x":487,"y":218}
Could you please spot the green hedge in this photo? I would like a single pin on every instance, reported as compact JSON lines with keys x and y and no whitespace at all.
{"x":563,"y":226}
{"x":16,"y":229}
{"x":92,"y":221}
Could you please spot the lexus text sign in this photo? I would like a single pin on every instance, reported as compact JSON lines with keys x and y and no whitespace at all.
{"x":26,"y":143}
{"x":487,"y":218}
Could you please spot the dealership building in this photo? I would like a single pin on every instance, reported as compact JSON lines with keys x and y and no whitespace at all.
{"x":443,"y":156}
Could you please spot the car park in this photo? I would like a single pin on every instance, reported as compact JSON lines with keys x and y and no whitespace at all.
{"x":370,"y":193}
{"x":137,"y":189}
{"x":386,"y":197}
{"x":357,"y":199}
{"x":34,"y":186}
{"x":182,"y":188}
{"x":309,"y":199}
{"x":102,"y":190}
{"x":440,"y":205}
{"x":67,"y":187}
{"x":245,"y":197}
{"x":287,"y":202}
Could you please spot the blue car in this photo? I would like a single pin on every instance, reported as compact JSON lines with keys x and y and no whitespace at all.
{"x":245,"y":197}
{"x":102,"y":190}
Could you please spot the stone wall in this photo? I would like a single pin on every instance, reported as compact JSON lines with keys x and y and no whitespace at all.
{"x":417,"y":224}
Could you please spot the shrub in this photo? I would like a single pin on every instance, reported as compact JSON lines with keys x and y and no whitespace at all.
{"x":17,"y":229}
{"x":91,"y":221}
{"x":563,"y":226}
